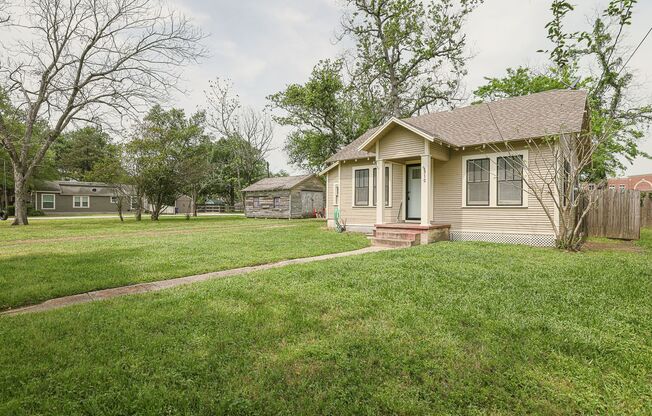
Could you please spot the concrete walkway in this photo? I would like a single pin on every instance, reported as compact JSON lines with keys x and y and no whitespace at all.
{"x":145,"y":217}
{"x":165,"y":284}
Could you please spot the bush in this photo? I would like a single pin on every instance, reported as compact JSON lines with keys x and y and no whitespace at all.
{"x":31,"y":212}
{"x":11,"y":210}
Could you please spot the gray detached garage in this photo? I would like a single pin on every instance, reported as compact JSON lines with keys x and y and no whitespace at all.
{"x":285,"y":197}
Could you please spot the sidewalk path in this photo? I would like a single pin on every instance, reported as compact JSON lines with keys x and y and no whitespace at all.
{"x":164,"y":284}
{"x":92,"y":217}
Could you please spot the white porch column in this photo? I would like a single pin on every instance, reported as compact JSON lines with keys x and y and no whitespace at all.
{"x":426,"y":185}
{"x":380,"y":191}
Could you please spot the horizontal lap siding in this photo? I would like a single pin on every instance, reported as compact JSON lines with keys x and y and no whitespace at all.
{"x":398,"y":184}
{"x":363,"y":215}
{"x":439,"y":152}
{"x":400,"y":143}
{"x":64,"y":204}
{"x":448,"y":202}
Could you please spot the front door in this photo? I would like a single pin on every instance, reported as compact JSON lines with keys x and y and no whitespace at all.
{"x":413,"y":189}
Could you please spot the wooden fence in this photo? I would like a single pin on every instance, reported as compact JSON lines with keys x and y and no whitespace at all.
{"x":217,"y":208}
{"x":616,"y":214}
{"x":646,"y":211}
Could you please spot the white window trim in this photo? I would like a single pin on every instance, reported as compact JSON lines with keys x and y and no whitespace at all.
{"x":113,"y":199}
{"x":493,"y":176}
{"x":371,"y":185}
{"x":337,"y":194}
{"x":81,"y":205}
{"x":54,"y":202}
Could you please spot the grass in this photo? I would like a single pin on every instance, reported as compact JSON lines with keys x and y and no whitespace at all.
{"x":59,"y":257}
{"x":449,"y":328}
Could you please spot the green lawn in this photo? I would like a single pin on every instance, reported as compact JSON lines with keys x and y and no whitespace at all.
{"x":449,"y":328}
{"x":52,"y":258}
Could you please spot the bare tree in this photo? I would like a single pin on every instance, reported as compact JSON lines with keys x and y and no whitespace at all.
{"x":4,"y":16}
{"x":554,"y":175}
{"x":251,"y":131}
{"x":85,"y":60}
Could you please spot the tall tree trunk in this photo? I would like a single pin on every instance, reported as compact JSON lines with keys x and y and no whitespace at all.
{"x":22,"y":197}
{"x":139,"y":206}
{"x":194,"y":204}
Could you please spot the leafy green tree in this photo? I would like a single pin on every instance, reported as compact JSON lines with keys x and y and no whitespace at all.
{"x":161,"y":154}
{"x":78,"y":151}
{"x":110,"y":170}
{"x":326,"y":114}
{"x":409,"y":54}
{"x":521,"y":81}
{"x":618,"y":123}
{"x":232,"y":172}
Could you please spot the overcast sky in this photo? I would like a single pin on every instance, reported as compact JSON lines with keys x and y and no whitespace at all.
{"x":264,"y":45}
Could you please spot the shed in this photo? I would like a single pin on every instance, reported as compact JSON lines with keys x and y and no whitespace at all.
{"x":285,"y":197}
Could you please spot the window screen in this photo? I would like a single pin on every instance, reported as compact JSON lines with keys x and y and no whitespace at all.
{"x":510,"y":180}
{"x":477,"y":182}
{"x":362,"y":187}
{"x":80,"y":201}
{"x":47,"y":201}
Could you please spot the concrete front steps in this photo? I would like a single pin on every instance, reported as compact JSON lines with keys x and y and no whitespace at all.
{"x":408,"y":235}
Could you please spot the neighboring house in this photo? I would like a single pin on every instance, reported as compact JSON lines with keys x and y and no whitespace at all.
{"x":634,"y":183}
{"x":440,"y":177}
{"x":73,"y":197}
{"x":285,"y":197}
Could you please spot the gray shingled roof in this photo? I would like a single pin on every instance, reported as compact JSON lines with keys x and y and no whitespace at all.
{"x":75,"y":188}
{"x":529,"y":116}
{"x":277,"y":184}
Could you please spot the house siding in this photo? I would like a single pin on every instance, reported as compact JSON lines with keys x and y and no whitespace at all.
{"x":98,"y":204}
{"x":448,"y":196}
{"x":363,"y":215}
{"x":447,"y":199}
{"x":400,"y":143}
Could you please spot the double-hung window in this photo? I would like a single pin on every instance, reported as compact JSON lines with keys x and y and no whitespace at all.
{"x":361,"y":184}
{"x":336,"y":194}
{"x":80,"y":201}
{"x":510,"y":181}
{"x":47,"y":201}
{"x":256,"y":202}
{"x":277,"y":202}
{"x":477,"y":182}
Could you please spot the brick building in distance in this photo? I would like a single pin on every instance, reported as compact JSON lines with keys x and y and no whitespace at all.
{"x":634,"y":182}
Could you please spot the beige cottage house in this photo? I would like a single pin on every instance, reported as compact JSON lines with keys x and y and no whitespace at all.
{"x":443,"y":176}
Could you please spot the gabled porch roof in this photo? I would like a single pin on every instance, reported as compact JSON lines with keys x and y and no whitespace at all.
{"x":393,"y":122}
